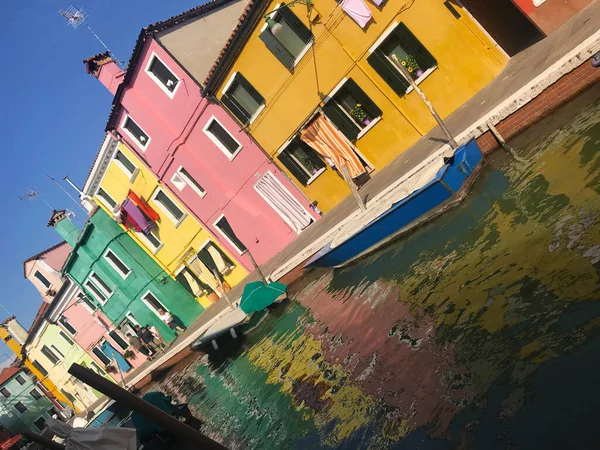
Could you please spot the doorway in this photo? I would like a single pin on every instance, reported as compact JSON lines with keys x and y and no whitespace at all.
{"x":505,"y":23}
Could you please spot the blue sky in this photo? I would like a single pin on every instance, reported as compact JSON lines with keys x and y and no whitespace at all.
{"x":53,"y":118}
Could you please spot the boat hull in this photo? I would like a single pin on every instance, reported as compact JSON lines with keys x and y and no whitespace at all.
{"x":440,"y":190}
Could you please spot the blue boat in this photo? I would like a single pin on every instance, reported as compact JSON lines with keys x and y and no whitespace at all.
{"x":443,"y":189}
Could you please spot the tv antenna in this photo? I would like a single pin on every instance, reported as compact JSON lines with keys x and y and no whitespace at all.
{"x":32,"y":194}
{"x":76,"y":16}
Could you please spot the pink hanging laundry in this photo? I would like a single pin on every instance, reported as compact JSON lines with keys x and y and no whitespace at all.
{"x":378,"y":2}
{"x":358,"y":10}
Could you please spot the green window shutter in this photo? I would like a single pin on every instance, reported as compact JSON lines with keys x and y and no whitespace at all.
{"x":369,"y":106}
{"x":388,"y":72}
{"x":297,"y":25}
{"x":343,"y":123}
{"x":292,"y":166}
{"x":249,"y":88}
{"x":233,"y":106}
{"x":413,"y":46}
{"x":277,"y":49}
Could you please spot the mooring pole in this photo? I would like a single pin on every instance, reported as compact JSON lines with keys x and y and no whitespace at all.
{"x":256,"y":267}
{"x":432,"y":110}
{"x":151,"y":412}
{"x":503,"y":143}
{"x":353,"y":188}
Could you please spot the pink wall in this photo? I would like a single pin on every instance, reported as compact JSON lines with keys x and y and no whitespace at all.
{"x":551,"y":14}
{"x":49,"y":264}
{"x":175,"y":126}
{"x":93,"y":328}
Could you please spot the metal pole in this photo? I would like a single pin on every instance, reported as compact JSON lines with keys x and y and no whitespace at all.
{"x":218,"y":278}
{"x":256,"y":267}
{"x":43,"y":441}
{"x":353,"y":188}
{"x":151,"y":412}
{"x":433,"y":112}
{"x":119,"y":369}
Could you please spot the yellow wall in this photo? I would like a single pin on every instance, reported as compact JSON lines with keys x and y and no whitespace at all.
{"x":467,"y":60}
{"x":178,"y":241}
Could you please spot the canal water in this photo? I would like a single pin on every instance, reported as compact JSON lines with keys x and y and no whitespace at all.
{"x":480,"y":330}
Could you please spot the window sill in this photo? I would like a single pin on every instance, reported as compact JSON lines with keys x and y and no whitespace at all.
{"x":366,"y":129}
{"x":303,"y":52}
{"x":421,"y":78}
{"x":315,"y":176}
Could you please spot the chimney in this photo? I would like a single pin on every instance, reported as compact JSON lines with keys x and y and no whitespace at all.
{"x":106,"y":70}
{"x":16,"y":330}
{"x":63,"y":225}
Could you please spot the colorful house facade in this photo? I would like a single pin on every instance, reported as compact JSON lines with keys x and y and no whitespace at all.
{"x":24,"y":406}
{"x":285,"y":69}
{"x":119,"y":277}
{"x":43,"y":270}
{"x":196,"y":147}
{"x":176,"y":240}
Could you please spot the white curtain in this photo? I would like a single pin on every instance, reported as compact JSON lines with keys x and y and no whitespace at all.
{"x":196,"y":289}
{"x":283,"y":202}
{"x":217,"y":258}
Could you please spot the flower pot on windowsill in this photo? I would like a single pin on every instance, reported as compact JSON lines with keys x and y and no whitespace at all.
{"x":366,"y":122}
{"x":212,"y":297}
{"x":419,"y":73}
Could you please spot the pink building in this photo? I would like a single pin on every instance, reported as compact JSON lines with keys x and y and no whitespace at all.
{"x":80,"y":321}
{"x":197,"y":149}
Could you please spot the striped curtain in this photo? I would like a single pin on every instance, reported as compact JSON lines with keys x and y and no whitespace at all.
{"x":328,"y":141}
{"x":283,"y":202}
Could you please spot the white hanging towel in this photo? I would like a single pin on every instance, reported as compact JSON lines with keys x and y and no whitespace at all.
{"x":217,"y":258}
{"x":283,"y":202}
{"x":358,"y":10}
{"x":105,"y":438}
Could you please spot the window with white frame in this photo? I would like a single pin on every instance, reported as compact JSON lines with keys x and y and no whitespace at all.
{"x":100,"y":291}
{"x":151,"y":240}
{"x":225,"y":228}
{"x":135,"y":132}
{"x":65,"y":323}
{"x":56,"y":351}
{"x":86,"y":302}
{"x":115,"y":262}
{"x":125,"y":164}
{"x":97,"y":368}
{"x":101,"y":355}
{"x":118,"y":339}
{"x":39,"y":368}
{"x":286,"y":36}
{"x":242,"y":99}
{"x":215,"y":259}
{"x":108,"y":201}
{"x":182,"y":178}
{"x":303,"y":162}
{"x":52,"y":357}
{"x":35,"y":394}
{"x":65,"y":337}
{"x":42,"y":279}
{"x":168,"y":206}
{"x":222,"y":138}
{"x":153,"y":303}
{"x":162,"y":75}
{"x":403,"y":45}
{"x":20,"y":379}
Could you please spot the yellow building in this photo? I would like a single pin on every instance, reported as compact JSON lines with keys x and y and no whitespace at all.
{"x":177,"y":241}
{"x":287,"y":66}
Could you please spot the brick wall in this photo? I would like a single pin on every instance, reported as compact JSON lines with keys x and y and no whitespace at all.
{"x":551,"y":98}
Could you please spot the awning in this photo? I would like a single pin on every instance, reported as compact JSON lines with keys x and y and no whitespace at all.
{"x":328,"y":141}
{"x":137,"y":214}
{"x":143,"y":205}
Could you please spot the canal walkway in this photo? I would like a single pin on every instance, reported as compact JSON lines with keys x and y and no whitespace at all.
{"x":528,"y":77}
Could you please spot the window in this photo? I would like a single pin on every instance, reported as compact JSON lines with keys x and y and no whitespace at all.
{"x":40,"y":423}
{"x":108,"y":201}
{"x":50,"y":355}
{"x":101,"y":355}
{"x":135,"y":132}
{"x":162,"y":75}
{"x":20,"y":379}
{"x":182,"y":178}
{"x":42,"y":279}
{"x":97,"y":368}
{"x":289,"y":39}
{"x":119,"y":340}
{"x":409,"y":51}
{"x":223,"y":226}
{"x":117,"y":264}
{"x":242,"y":99}
{"x":39,"y":368}
{"x":20,"y":407}
{"x":35,"y":394}
{"x":222,"y":138}
{"x":5,"y":392}
{"x":351,"y":110}
{"x":125,"y":164}
{"x":168,"y":206}
{"x":89,"y":305}
{"x":213,"y":258}
{"x":99,"y":289}
{"x":56,"y":351}
{"x":153,"y":303}
{"x":302,"y":161}
{"x":151,"y":240}
{"x":68,"y":395}
{"x":65,"y":323}
{"x":65,"y":337}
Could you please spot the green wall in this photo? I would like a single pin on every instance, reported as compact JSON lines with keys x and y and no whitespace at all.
{"x":103,"y":233}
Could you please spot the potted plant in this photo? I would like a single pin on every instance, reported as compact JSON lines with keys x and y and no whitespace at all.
{"x":360,"y":114}
{"x":50,"y":292}
{"x":412,"y":66}
{"x":111,"y":369}
{"x":129,"y":354}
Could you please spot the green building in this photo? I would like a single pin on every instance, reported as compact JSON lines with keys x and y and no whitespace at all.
{"x":24,"y":406}
{"x":119,"y":277}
